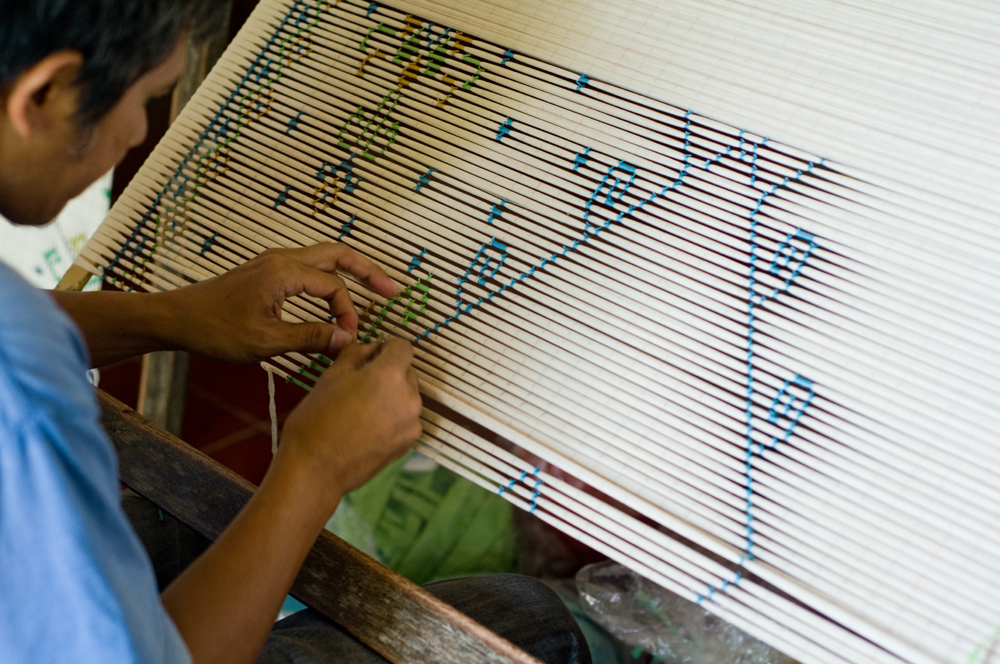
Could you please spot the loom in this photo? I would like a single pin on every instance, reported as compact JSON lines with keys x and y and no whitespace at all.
{"x":732,"y":265}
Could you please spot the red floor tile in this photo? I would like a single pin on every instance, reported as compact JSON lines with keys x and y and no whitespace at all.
{"x":209,"y":418}
{"x":250,"y":457}
{"x":121,"y":380}
{"x":243,"y":386}
{"x":227,"y":413}
{"x":225,"y":410}
{"x":232,"y":439}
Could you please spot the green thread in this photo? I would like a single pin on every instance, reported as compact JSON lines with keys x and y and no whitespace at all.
{"x":974,"y":657}
{"x":380,"y":118}
{"x":306,"y":374}
{"x":468,"y":84}
{"x":410,"y":312}
{"x":363,"y":46}
{"x":412,"y":43}
{"x":356,"y":117}
{"x":438,"y":55}
{"x":294,"y":381}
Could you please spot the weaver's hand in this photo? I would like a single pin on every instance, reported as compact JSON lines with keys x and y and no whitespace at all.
{"x":237,"y":316}
{"x":362,"y":414}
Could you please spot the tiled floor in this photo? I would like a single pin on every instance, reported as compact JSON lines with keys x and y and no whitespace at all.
{"x":225,"y":412}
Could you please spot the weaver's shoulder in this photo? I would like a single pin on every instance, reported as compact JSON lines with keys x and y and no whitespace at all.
{"x":42,"y":356}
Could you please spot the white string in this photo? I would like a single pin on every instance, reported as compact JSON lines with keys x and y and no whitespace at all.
{"x":272,"y":410}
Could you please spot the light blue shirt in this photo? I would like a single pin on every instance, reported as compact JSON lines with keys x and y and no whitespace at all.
{"x":75,"y":583}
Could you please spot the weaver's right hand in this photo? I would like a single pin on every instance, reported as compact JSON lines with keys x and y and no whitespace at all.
{"x":363,"y":413}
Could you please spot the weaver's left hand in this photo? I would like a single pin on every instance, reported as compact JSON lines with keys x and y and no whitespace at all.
{"x":237,"y":316}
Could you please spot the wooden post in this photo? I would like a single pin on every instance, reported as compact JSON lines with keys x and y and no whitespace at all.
{"x":390,"y":614}
{"x":199,"y":59}
{"x":163,"y":381}
{"x":163,"y":387}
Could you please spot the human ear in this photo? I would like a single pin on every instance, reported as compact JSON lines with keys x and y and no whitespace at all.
{"x":44,"y":94}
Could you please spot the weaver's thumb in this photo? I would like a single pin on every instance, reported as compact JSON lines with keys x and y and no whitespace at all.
{"x":316,"y":337}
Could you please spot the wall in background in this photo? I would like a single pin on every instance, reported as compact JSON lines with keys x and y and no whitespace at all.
{"x":42,"y":255}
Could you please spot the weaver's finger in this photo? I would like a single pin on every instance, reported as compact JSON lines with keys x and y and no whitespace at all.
{"x":312,"y":337}
{"x":355,"y":356}
{"x":412,"y":379}
{"x":395,"y":352}
{"x":323,"y":256}
{"x":330,"y":257}
{"x":328,"y":286}
{"x":369,"y":272}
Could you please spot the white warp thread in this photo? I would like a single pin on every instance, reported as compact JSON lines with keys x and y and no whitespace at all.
{"x":272,"y":411}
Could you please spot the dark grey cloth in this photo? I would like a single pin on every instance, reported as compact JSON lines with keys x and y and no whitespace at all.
{"x":518,"y":608}
{"x":171,"y":545}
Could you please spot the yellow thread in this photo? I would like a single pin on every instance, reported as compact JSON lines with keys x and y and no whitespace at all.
{"x":326,"y":201}
{"x":376,"y":54}
{"x":409,"y":71}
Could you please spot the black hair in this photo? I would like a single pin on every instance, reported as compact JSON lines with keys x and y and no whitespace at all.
{"x":120,"y":40}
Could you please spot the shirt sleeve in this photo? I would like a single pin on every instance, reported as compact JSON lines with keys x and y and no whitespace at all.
{"x":76,"y":583}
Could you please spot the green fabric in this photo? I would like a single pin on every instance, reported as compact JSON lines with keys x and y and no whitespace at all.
{"x":436,"y":525}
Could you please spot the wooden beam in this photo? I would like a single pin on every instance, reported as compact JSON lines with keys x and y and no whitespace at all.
{"x":392,"y":615}
{"x":199,"y":58}
{"x":75,"y":279}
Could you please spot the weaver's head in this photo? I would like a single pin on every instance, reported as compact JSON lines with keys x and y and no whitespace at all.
{"x":75,"y":78}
